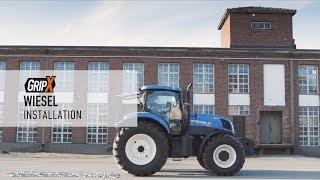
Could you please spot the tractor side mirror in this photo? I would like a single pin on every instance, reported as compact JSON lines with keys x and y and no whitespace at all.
{"x":188,"y":93}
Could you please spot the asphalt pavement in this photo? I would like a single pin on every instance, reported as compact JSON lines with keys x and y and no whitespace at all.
{"x":75,"y":166}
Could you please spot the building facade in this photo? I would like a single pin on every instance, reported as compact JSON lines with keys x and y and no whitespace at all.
{"x":258,"y":79}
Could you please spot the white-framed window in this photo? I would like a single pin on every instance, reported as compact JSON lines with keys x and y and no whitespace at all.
{"x":28,"y":69}
{"x":139,"y":69}
{"x":2,"y":75}
{"x":26,"y":128}
{"x":261,"y":25}
{"x":238,"y":78}
{"x":65,"y":76}
{"x":308,"y":79}
{"x":29,"y":65}
{"x":168,"y":74}
{"x":98,"y":77}
{"x":97,"y":123}
{"x":309,"y":126}
{"x":239,"y":110}
{"x":61,"y":128}
{"x":203,"y":109}
{"x":203,"y":78}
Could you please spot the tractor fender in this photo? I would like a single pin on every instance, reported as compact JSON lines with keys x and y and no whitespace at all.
{"x":209,"y":136}
{"x":146,"y":116}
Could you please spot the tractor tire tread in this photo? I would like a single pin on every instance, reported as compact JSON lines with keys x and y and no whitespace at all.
{"x":207,"y":155}
{"x":159,"y":137}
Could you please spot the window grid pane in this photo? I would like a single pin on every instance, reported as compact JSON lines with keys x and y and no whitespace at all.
{"x":98,"y":77}
{"x":28,"y":69}
{"x":97,"y":123}
{"x":168,"y":75}
{"x":203,"y":109}
{"x":261,"y":25}
{"x":61,"y":130}
{"x":139,"y":69}
{"x":203,"y":78}
{"x":26,"y":128}
{"x":238,"y":78}
{"x":309,"y":126}
{"x":308,"y":79}
{"x":29,"y":65}
{"x":65,"y":76}
{"x":239,"y":110}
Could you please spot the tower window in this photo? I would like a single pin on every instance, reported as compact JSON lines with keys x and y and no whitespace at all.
{"x":260,"y":25}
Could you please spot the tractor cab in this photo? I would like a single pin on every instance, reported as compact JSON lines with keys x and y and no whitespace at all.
{"x":168,"y":103}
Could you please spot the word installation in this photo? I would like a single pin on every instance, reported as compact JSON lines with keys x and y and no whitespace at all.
{"x":43,"y":105}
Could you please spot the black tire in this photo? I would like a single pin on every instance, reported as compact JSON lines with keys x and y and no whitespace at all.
{"x":201,"y":162}
{"x":248,"y":146}
{"x":208,"y":159}
{"x":162,"y":148}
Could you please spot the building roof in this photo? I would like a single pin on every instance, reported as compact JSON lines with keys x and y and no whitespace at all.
{"x":254,"y":9}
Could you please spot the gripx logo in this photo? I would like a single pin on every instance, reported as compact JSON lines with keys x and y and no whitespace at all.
{"x":43,"y":98}
{"x":40,"y":85}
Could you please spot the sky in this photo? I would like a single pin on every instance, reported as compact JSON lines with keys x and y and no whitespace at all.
{"x":175,"y":23}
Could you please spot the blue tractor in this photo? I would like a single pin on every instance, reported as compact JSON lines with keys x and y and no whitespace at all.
{"x":167,"y":128}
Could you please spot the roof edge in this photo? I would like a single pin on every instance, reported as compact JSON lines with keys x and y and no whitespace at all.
{"x":178,"y":48}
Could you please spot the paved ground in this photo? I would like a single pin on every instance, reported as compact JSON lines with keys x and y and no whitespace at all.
{"x":266,"y":167}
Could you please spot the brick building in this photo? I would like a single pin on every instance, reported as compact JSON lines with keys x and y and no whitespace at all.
{"x":258,"y":78}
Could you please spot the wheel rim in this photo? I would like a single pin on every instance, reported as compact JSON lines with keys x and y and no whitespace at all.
{"x":224,"y":156}
{"x":140,"y":149}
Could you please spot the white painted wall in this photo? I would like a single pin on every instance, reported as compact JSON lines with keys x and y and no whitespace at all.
{"x":204,"y":99}
{"x":309,"y":100}
{"x":274,"y":84}
{"x":239,"y":99}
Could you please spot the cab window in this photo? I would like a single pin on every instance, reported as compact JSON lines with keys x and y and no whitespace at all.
{"x":165,"y":104}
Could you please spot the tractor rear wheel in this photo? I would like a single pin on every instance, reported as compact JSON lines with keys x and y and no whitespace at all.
{"x":223,"y":155}
{"x":142,"y":150}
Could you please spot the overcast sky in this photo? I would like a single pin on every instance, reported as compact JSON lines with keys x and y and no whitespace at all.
{"x":137,"y":23}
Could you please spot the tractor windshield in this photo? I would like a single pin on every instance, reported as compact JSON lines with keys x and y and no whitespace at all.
{"x":164,"y":103}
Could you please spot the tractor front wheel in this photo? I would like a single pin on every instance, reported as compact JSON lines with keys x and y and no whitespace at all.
{"x":223,"y":155}
{"x":142,"y":150}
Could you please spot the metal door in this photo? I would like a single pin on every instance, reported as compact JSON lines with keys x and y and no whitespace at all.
{"x":271,"y":127}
